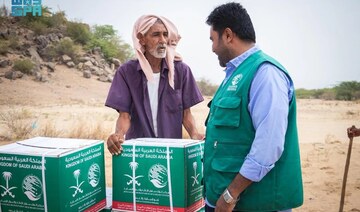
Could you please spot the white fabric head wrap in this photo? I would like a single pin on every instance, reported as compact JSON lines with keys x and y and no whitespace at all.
{"x":142,"y":25}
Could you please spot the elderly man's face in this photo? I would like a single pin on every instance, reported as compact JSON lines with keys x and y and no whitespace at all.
{"x":155,"y":40}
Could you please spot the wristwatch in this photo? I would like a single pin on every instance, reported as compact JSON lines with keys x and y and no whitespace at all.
{"x":228,"y":198}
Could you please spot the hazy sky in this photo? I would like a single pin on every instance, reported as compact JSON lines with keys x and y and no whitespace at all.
{"x":316,"y":40}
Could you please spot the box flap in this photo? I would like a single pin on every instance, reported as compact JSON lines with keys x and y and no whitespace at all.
{"x":163,"y":142}
{"x":46,"y":145}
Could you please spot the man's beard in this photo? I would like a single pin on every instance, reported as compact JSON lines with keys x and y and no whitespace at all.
{"x":159,"y":51}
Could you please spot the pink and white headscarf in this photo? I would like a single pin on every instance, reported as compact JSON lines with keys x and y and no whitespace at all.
{"x":142,"y":25}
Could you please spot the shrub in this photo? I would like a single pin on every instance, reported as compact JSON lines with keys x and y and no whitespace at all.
{"x":328,"y":94}
{"x":24,"y":66}
{"x":4,"y":47}
{"x":347,"y":90}
{"x":79,"y":32}
{"x":108,"y":48}
{"x":324,"y":93}
{"x":206,"y":88}
{"x":45,"y":18}
{"x":14,"y":42}
{"x":57,"y":19}
{"x":66,"y":46}
{"x":302,"y":93}
{"x":39,"y":27}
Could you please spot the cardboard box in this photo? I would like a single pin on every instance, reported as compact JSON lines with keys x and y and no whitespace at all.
{"x":158,"y":168}
{"x":52,"y":174}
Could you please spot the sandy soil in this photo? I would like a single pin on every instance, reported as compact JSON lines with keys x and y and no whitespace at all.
{"x":69,"y":100}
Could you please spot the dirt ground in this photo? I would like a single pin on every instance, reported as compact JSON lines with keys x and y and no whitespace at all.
{"x":69,"y":99}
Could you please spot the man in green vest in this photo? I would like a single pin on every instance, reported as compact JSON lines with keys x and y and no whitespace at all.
{"x":251,"y":156}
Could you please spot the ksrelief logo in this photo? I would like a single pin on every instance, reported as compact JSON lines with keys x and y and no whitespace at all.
{"x":234,"y":82}
{"x":7,"y":189}
{"x":94,"y":175}
{"x":32,"y":187}
{"x":158,"y":175}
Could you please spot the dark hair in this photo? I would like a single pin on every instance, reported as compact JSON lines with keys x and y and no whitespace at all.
{"x":234,"y":16}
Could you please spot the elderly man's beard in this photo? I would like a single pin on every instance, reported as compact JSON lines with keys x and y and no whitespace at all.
{"x":159,"y":51}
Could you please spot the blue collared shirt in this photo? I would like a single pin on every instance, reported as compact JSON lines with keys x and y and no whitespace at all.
{"x":270,"y":93}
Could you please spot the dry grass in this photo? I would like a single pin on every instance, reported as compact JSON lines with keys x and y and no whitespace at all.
{"x":88,"y":130}
{"x":50,"y":130}
{"x":322,"y":131}
{"x":22,"y":124}
{"x":19,"y":124}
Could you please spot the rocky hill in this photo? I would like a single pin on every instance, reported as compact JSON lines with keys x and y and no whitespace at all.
{"x":31,"y":64}
{"x":20,"y":43}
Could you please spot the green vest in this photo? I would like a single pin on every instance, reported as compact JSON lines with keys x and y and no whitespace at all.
{"x":229,"y":135}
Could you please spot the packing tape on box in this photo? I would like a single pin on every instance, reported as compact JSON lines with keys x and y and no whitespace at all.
{"x":133,"y":177}
{"x":43,"y":176}
{"x":169,"y":177}
{"x":168,"y":173}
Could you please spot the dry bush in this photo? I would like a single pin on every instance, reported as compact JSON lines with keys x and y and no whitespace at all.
{"x":38,"y":27}
{"x":4,"y":47}
{"x":19,"y":124}
{"x":50,"y":130}
{"x":100,"y":132}
{"x":79,"y":131}
{"x":86,"y":130}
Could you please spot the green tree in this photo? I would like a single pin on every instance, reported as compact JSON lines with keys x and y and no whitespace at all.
{"x":104,"y":32}
{"x":79,"y":32}
{"x":105,"y":37}
{"x":349,"y":90}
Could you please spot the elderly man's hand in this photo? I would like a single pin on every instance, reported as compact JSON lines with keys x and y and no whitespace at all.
{"x":198,"y":136}
{"x":114,"y":143}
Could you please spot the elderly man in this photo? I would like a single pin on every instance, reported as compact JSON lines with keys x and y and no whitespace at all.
{"x":154,"y":93}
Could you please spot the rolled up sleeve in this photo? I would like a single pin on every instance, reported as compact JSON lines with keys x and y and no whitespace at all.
{"x":269,"y":107}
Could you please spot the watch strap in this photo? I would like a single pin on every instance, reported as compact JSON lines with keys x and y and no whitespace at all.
{"x":228,"y":197}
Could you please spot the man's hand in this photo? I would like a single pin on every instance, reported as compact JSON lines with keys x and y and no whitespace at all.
{"x":114,"y":143}
{"x":238,"y":185}
{"x":198,"y":136}
{"x":116,"y":139}
{"x":222,"y":206}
